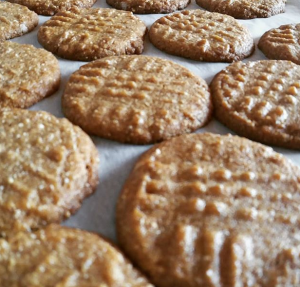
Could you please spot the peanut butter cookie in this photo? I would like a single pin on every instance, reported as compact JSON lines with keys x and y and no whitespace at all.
{"x":282,"y":43}
{"x":51,"y":7}
{"x":136,"y":99}
{"x":27,"y":74}
{"x":205,"y":210}
{"x":64,"y":257}
{"x":260,"y":100}
{"x":89,"y":34}
{"x":48,"y":166}
{"x":149,"y":6}
{"x":244,"y":9}
{"x":15,"y":20}
{"x":202,"y":36}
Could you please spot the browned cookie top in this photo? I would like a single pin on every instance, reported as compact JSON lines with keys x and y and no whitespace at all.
{"x":27,"y":74}
{"x":282,"y":43}
{"x":149,"y":6}
{"x":244,"y":9}
{"x":260,"y":100}
{"x":15,"y":20}
{"x":208,"y":210}
{"x":51,"y":7}
{"x":63,"y":257}
{"x":136,"y":99}
{"x":202,"y":36}
{"x":89,"y":34}
{"x":48,"y":166}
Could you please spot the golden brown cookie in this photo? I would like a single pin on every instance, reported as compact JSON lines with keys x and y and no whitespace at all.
{"x":15,"y":20}
{"x":27,"y":74}
{"x":136,"y":99}
{"x":260,"y":100}
{"x":89,"y":34}
{"x":282,"y":43}
{"x":48,"y":166}
{"x":202,"y":36}
{"x":64,"y":257}
{"x":244,"y":9}
{"x":149,"y":6}
{"x":51,"y":7}
{"x":205,"y":210}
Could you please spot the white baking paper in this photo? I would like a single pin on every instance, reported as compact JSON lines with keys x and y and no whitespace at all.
{"x":116,"y":160}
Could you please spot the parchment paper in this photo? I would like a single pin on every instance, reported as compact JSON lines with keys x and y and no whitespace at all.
{"x":116,"y":160}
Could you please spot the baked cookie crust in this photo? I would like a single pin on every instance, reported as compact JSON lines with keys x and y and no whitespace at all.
{"x":48,"y":166}
{"x":89,"y":34}
{"x":208,"y":210}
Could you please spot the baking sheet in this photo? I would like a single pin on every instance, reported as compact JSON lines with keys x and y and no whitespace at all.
{"x":97,"y":213}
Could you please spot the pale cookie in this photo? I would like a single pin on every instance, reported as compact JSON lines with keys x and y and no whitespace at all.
{"x":149,"y":6}
{"x":64,"y":257}
{"x":136,"y":99}
{"x":51,"y":7}
{"x":282,"y":43}
{"x":27,"y":74}
{"x":202,"y":36}
{"x":244,"y":9}
{"x":48,"y":166}
{"x":15,"y":20}
{"x":89,"y":34}
{"x":208,"y":210}
{"x":260,"y":100}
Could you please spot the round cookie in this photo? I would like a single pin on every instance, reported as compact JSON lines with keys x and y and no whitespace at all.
{"x":60,"y":256}
{"x":244,"y":9}
{"x":260,"y":100}
{"x":48,"y":166}
{"x":282,"y":43}
{"x":51,"y":7}
{"x":202,"y":36}
{"x":15,"y":20}
{"x":89,"y":34}
{"x":136,"y":99}
{"x":208,"y":210}
{"x":28,"y":74}
{"x":149,"y":6}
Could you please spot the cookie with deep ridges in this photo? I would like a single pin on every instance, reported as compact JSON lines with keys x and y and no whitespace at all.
{"x":208,"y":210}
{"x":202,"y":36}
{"x":48,"y":166}
{"x":260,"y":100}
{"x":244,"y":9}
{"x":61,"y":256}
{"x":149,"y":6}
{"x":282,"y":43}
{"x":136,"y":99}
{"x":16,"y":20}
{"x":89,"y":34}
{"x":28,"y":75}
{"x":51,"y":7}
